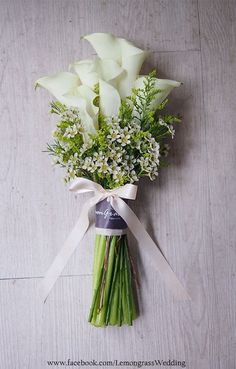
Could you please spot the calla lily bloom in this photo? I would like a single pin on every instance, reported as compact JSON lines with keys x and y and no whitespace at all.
{"x":66,"y":88}
{"x":165,"y":86}
{"x":116,"y":70}
{"x":128,"y":56}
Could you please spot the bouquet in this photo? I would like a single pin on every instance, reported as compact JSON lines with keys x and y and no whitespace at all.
{"x":112,"y":130}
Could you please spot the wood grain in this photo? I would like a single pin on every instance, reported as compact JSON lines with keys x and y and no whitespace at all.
{"x":189,"y":210}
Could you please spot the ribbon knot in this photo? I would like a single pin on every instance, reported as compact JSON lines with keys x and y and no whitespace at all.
{"x":110,"y":197}
{"x":115,"y":197}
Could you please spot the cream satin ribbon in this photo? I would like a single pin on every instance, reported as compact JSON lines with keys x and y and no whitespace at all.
{"x":115,"y":196}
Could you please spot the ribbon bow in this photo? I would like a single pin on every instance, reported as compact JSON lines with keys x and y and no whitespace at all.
{"x":115,"y":196}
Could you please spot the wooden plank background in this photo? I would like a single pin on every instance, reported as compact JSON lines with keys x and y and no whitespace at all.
{"x":190,"y":210}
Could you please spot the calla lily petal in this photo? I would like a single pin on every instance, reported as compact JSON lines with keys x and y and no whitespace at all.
{"x":82,"y":98}
{"x":89,"y":123}
{"x":106,"y":45}
{"x":58,"y":84}
{"x":90,"y":71}
{"x":65,"y":88}
{"x":86,"y":73}
{"x":164,"y":85}
{"x":132,"y":60}
{"x":110,"y":69}
{"x":89,"y":95}
{"x":109,"y":99}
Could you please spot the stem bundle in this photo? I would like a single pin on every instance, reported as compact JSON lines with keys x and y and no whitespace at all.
{"x":113,"y":300}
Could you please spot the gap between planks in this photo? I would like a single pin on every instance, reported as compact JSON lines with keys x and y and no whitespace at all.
{"x":41,"y":277}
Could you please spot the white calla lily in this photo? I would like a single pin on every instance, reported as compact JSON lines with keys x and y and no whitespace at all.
{"x":82,"y":98}
{"x":66,"y":89}
{"x":164,"y":85}
{"x":109,"y":99}
{"x":132,"y":61}
{"x":123,"y":52}
{"x":89,"y":122}
{"x":58,"y":84}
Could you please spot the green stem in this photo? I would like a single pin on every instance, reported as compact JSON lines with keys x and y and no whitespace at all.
{"x":113,"y":295}
{"x":97,"y":273}
{"x":108,"y":281}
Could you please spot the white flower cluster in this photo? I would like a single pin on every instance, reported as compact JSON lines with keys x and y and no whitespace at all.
{"x":127,"y":153}
{"x":168,"y":126}
{"x":116,"y":164}
{"x":149,"y":163}
{"x":72,"y":131}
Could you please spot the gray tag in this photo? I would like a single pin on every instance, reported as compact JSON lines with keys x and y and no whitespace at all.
{"x":107,"y":217}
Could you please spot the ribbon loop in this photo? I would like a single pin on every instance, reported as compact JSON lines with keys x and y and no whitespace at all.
{"x":114,"y":196}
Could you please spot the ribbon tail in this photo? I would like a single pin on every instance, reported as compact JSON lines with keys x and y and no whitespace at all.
{"x":153,"y":251}
{"x":68,"y":248}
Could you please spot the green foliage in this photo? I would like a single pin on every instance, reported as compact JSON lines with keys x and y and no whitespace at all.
{"x":142,"y":99}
